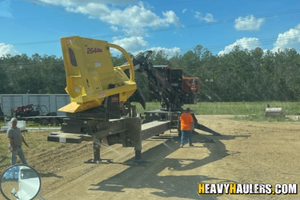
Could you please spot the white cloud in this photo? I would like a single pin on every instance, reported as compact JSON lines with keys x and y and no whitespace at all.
{"x":5,"y":10}
{"x":7,"y":49}
{"x":248,"y":23}
{"x":114,"y":28}
{"x":288,"y":39}
{"x":132,"y":17}
{"x":131,"y":44}
{"x":244,"y":43}
{"x":208,"y":17}
{"x":184,"y":10}
{"x":134,"y":45}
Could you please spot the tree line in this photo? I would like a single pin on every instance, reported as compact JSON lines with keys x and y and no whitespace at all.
{"x":241,"y":75}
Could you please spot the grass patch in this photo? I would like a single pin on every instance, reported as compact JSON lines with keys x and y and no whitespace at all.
{"x":38,"y":125}
{"x":32,"y":124}
{"x":252,"y":111}
{"x":231,"y":108}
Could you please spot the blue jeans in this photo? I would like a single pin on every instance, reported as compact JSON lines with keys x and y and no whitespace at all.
{"x":18,"y":151}
{"x":188,"y":134}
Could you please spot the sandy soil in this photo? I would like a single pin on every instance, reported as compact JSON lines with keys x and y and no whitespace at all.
{"x":247,"y":152}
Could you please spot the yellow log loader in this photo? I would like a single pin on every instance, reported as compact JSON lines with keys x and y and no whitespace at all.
{"x":101,"y":96}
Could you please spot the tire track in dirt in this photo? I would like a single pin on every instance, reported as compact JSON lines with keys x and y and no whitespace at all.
{"x":95,"y":172}
{"x":68,"y":163}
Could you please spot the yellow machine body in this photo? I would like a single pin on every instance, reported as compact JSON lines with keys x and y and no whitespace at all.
{"x":90,"y":74}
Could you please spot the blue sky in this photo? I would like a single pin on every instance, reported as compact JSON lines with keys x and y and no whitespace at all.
{"x":36,"y":26}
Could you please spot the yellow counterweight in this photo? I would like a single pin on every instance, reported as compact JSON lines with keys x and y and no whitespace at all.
{"x":90,"y":74}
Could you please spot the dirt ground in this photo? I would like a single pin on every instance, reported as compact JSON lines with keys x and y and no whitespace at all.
{"x":247,"y":152}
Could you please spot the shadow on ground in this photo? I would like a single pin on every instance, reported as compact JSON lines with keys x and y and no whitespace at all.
{"x":180,"y":186}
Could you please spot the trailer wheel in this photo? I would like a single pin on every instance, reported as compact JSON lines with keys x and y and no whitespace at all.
{"x":44,"y":122}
